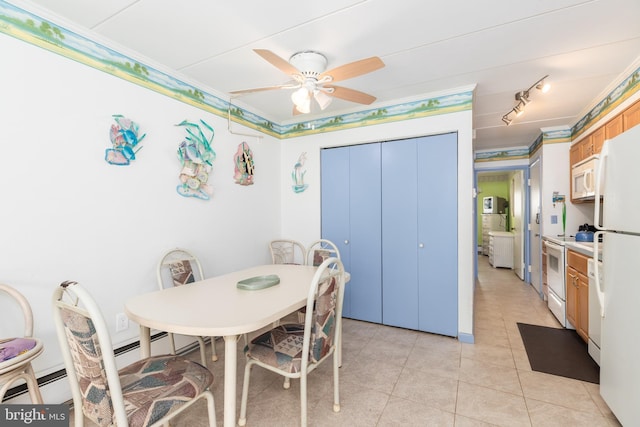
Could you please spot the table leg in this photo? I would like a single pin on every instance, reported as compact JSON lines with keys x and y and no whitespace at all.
{"x":230,"y":367}
{"x":145,"y":342}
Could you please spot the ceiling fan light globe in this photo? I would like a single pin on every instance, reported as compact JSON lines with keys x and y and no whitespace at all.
{"x":301,"y":100}
{"x":322,"y":99}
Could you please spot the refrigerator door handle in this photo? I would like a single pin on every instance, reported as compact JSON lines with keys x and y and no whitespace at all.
{"x":604,"y":153}
{"x":596,"y":250}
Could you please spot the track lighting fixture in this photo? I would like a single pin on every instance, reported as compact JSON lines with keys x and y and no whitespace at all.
{"x":523,"y":99}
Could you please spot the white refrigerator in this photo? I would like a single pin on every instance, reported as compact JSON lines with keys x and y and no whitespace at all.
{"x":619,"y":225}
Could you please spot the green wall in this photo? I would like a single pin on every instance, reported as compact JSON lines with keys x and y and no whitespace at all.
{"x":489,"y":188}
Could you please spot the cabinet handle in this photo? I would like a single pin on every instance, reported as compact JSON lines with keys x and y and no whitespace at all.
{"x":346,"y":242}
{"x":421,"y":245}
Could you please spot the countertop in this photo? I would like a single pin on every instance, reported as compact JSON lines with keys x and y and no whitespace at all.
{"x":569,"y":242}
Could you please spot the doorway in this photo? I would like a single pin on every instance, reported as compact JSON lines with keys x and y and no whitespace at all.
{"x":508,"y":183}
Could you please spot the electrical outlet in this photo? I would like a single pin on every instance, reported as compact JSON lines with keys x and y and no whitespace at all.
{"x":122,"y":322}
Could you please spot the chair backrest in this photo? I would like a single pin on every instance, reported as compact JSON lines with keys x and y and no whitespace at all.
{"x":24,"y":306}
{"x":287,"y":252}
{"x":178,"y":267}
{"x":320,"y":250}
{"x":323,"y":318}
{"x":88,"y":355}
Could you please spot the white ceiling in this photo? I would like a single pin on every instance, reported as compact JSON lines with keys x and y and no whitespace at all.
{"x":428,"y":46}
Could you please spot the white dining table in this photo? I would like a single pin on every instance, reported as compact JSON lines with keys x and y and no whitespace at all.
{"x":215,"y":307}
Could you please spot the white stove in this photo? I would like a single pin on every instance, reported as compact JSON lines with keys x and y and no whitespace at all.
{"x":556,"y":276}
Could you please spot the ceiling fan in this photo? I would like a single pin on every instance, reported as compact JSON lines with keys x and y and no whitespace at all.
{"x":307,"y":71}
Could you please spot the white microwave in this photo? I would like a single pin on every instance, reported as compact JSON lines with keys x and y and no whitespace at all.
{"x":583,"y":179}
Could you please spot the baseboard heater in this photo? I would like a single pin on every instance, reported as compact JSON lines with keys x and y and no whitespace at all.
{"x":62,"y":373}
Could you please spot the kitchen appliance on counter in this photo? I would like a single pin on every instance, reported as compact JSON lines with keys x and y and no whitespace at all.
{"x":620,"y":296}
{"x":595,"y":310}
{"x":585,"y":233}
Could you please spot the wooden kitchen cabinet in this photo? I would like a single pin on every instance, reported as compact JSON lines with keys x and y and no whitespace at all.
{"x":631,"y":116}
{"x":586,"y":147}
{"x":575,"y":153}
{"x":614,"y":127}
{"x":597,"y":139}
{"x":578,"y":293}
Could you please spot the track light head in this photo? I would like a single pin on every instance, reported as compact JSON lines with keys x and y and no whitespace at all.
{"x":543,"y":86}
{"x":523,"y":97}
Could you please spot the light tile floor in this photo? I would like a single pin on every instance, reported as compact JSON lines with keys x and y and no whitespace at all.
{"x":397,"y":377}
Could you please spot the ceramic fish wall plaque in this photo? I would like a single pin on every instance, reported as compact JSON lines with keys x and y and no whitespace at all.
{"x":244,"y":166}
{"x":125,"y":141}
{"x":196,"y":157}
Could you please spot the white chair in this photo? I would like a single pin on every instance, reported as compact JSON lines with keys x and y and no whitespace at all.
{"x":149,"y":392}
{"x":179,"y":267}
{"x":17,"y":353}
{"x":287,"y":252}
{"x":319,"y":251}
{"x":295,"y":350}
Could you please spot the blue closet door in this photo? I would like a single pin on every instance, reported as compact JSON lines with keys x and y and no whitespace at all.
{"x":419,"y":234}
{"x":366,"y":241}
{"x":399,"y":234}
{"x":350,"y":188}
{"x":334,"y":187}
{"x":438,"y":233}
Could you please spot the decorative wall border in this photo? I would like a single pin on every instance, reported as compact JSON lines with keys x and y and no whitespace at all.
{"x":30,"y":28}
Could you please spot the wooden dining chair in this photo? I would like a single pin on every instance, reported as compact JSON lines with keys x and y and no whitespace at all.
{"x":17,"y":353}
{"x":179,"y":267}
{"x":149,"y":392}
{"x":295,"y":350}
{"x":285,"y":251}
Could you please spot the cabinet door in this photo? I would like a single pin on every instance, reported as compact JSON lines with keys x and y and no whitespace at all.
{"x":572,"y":296}
{"x":631,"y":116}
{"x":598,"y":139}
{"x":350,"y":203}
{"x":438,"y":233}
{"x":583,"y":307}
{"x":614,"y":127}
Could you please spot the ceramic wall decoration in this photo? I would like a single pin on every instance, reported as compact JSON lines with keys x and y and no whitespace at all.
{"x":196,"y":157}
{"x":125,"y":141}
{"x":244,"y":166}
{"x":298,"y":174}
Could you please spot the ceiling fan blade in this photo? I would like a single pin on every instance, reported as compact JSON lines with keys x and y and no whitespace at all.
{"x":353,"y":69}
{"x":290,"y":85}
{"x":277,"y":61}
{"x":350,"y":95}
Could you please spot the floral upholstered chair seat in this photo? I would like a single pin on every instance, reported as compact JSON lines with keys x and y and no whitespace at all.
{"x":145,"y":393}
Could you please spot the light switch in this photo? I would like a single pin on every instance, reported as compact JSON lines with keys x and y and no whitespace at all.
{"x":554,"y":219}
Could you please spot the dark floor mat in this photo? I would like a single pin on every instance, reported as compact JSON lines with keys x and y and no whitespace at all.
{"x":559,"y":352}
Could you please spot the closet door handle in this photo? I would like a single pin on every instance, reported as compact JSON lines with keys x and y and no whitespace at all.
{"x":346,"y":242}
{"x":421,"y":245}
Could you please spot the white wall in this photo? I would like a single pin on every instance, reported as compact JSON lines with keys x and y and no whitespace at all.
{"x":68,"y":215}
{"x":301,"y":212}
{"x":555,"y":177}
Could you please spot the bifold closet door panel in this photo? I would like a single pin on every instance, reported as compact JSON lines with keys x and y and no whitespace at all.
{"x":366,"y":234}
{"x":350,"y":188}
{"x":400,"y":306}
{"x":334,"y":185}
{"x":437,"y":197}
